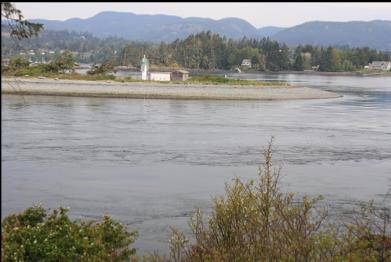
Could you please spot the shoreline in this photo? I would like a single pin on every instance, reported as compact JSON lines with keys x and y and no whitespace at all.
{"x":346,"y":73}
{"x":319,"y":73}
{"x":112,"y":89}
{"x":286,"y":72}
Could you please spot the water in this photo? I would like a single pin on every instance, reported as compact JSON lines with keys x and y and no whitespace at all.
{"x":150,"y":163}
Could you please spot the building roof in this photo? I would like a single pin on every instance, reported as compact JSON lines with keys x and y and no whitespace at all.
{"x":379,"y":63}
{"x":144,"y":61}
{"x":159,"y":72}
{"x":181,"y":71}
{"x":163,"y":70}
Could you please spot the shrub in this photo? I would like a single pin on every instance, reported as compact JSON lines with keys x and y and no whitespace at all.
{"x":64,"y":62}
{"x":217,"y":80}
{"x":35,"y":235}
{"x":104,"y":68}
{"x":368,"y":235}
{"x":256,"y":221}
{"x":19,"y":62}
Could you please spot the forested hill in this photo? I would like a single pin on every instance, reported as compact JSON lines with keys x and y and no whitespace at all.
{"x":89,"y":48}
{"x":204,"y":50}
{"x":374,"y":34}
{"x":157,"y":28}
{"x":151,"y":28}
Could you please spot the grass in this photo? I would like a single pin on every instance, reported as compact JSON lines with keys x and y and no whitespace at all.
{"x":39,"y":71}
{"x":374,"y":72}
{"x":218,"y":80}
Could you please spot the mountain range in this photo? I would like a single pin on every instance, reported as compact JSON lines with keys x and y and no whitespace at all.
{"x":156,"y":28}
{"x":375,"y":34}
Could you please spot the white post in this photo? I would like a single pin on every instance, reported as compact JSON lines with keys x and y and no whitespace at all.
{"x":144,"y":68}
{"x":144,"y":74}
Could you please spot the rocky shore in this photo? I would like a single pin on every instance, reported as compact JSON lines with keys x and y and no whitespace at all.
{"x":35,"y":86}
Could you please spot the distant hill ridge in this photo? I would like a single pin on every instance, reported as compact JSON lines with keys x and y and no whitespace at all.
{"x":154,"y":28}
{"x":157,"y":28}
{"x":375,"y":34}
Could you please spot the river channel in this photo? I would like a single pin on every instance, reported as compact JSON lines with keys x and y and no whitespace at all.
{"x":150,"y":163}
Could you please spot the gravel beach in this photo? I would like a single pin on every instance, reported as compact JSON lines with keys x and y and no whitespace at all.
{"x":35,"y":86}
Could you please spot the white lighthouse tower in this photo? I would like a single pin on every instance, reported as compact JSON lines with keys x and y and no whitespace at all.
{"x":144,"y":68}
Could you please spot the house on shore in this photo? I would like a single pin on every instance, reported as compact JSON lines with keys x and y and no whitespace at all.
{"x":315,"y":68}
{"x":172,"y":75}
{"x":246,"y":63}
{"x":160,"y":76}
{"x":379,"y":66}
{"x":179,"y":75}
{"x":5,"y":62}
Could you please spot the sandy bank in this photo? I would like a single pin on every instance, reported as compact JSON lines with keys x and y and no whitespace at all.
{"x":318,"y":73}
{"x":147,"y":90}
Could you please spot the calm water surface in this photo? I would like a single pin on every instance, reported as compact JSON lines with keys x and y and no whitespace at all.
{"x":150,"y":163}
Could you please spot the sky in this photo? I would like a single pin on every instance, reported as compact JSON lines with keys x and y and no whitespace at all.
{"x":257,"y":14}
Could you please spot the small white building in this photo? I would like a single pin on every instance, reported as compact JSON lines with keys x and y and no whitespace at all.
{"x":5,"y":62}
{"x":380,"y":66}
{"x":160,"y":76}
{"x":147,"y":74}
{"x":315,"y":68}
{"x":247,"y":63}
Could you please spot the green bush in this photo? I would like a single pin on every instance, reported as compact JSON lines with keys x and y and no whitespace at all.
{"x":64,"y":62}
{"x":107,"y":66}
{"x":35,"y":235}
{"x":19,"y":62}
{"x":216,"y":80}
{"x":20,"y":66}
{"x":256,"y":221}
{"x":75,"y":76}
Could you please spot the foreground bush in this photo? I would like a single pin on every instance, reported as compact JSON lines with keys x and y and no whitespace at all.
{"x":256,"y":221}
{"x":35,"y":235}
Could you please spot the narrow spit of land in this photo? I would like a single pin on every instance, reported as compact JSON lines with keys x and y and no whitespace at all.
{"x":192,"y":90}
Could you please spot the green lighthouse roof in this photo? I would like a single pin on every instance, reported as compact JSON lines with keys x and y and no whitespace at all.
{"x":145,"y":61}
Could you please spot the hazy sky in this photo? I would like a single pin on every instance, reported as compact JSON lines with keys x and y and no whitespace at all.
{"x":258,"y":14}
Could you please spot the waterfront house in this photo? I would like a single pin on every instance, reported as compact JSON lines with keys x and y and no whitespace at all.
{"x":5,"y":62}
{"x":380,"y":66}
{"x":160,"y":76}
{"x":315,"y":68}
{"x":246,"y":63}
{"x":179,"y":75}
{"x":147,"y":74}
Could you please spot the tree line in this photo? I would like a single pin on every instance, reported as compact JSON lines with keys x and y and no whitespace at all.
{"x":205,"y":50}
{"x":85,"y":47}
